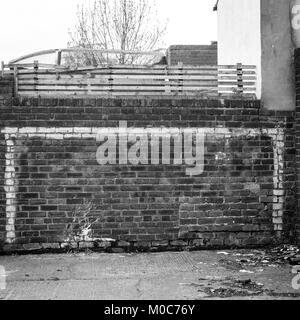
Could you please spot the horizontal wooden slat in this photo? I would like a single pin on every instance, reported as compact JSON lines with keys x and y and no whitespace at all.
{"x":116,"y":78}
{"x":120,"y":82}
{"x":235,"y":78}
{"x":233,"y":89}
{"x":232,"y":83}
{"x":234,"y":73}
{"x":120,"y":94}
{"x":138,"y":80}
{"x":235,"y":67}
{"x":112,"y":88}
{"x":24,"y":73}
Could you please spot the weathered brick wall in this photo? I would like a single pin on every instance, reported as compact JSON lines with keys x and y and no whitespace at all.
{"x":197,"y":55}
{"x":297,"y":126}
{"x":6,"y":92}
{"x":2,"y":192}
{"x":245,"y":196}
{"x":6,"y":88}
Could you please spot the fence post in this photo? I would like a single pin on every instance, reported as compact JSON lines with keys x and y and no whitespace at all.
{"x":36,"y":67}
{"x":167,"y":81}
{"x":240,"y":85}
{"x":58,"y":61}
{"x":180,"y":72}
{"x":16,"y":81}
{"x":89,"y":88}
{"x":110,"y":80}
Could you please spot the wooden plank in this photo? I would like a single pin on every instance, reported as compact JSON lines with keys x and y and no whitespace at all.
{"x":152,"y":69}
{"x":230,"y":78}
{"x":79,"y":80}
{"x":116,"y":78}
{"x":122,"y":72}
{"x":158,"y":72}
{"x":235,"y":89}
{"x":234,"y":73}
{"x":232,"y":83}
{"x":107,"y":88}
{"x":203,"y":88}
{"x":101,"y":88}
{"x":64,"y":82}
{"x":149,"y":68}
{"x":112,"y":94}
{"x":117,"y":82}
{"x":146,"y":67}
{"x":234,"y":67}
{"x":252,"y":89}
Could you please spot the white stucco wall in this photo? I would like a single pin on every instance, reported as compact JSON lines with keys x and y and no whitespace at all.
{"x":239,"y":34}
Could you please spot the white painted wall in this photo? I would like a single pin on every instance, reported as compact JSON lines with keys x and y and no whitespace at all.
{"x":239,"y":34}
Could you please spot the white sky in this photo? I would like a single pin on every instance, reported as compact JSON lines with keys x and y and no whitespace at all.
{"x":32,"y":25}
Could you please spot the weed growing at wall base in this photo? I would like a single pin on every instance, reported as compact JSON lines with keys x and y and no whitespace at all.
{"x":167,"y":146}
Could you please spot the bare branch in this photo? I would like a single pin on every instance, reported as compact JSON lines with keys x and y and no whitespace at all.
{"x":130,"y":25}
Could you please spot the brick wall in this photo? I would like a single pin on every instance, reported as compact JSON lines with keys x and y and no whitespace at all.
{"x":6,"y":87}
{"x":297,"y":126}
{"x":48,"y":167}
{"x":6,"y":92}
{"x":196,"y":55}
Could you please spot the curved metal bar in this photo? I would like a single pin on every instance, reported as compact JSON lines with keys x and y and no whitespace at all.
{"x":32,"y":55}
{"x":76,"y":49}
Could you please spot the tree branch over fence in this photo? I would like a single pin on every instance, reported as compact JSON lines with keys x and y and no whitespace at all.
{"x":123,"y":25}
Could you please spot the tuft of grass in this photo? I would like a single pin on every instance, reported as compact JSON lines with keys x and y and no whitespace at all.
{"x":80,"y":229}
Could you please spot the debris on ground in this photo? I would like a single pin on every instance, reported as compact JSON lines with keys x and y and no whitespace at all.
{"x":246,"y":271}
{"x":230,"y":287}
{"x":295,"y":260}
{"x":246,"y":263}
{"x":284,"y":253}
{"x":243,"y":260}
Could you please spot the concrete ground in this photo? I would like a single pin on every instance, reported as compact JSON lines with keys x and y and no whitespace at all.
{"x":200,"y":275}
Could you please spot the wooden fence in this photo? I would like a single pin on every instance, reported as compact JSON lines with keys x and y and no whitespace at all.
{"x":133,"y":80}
